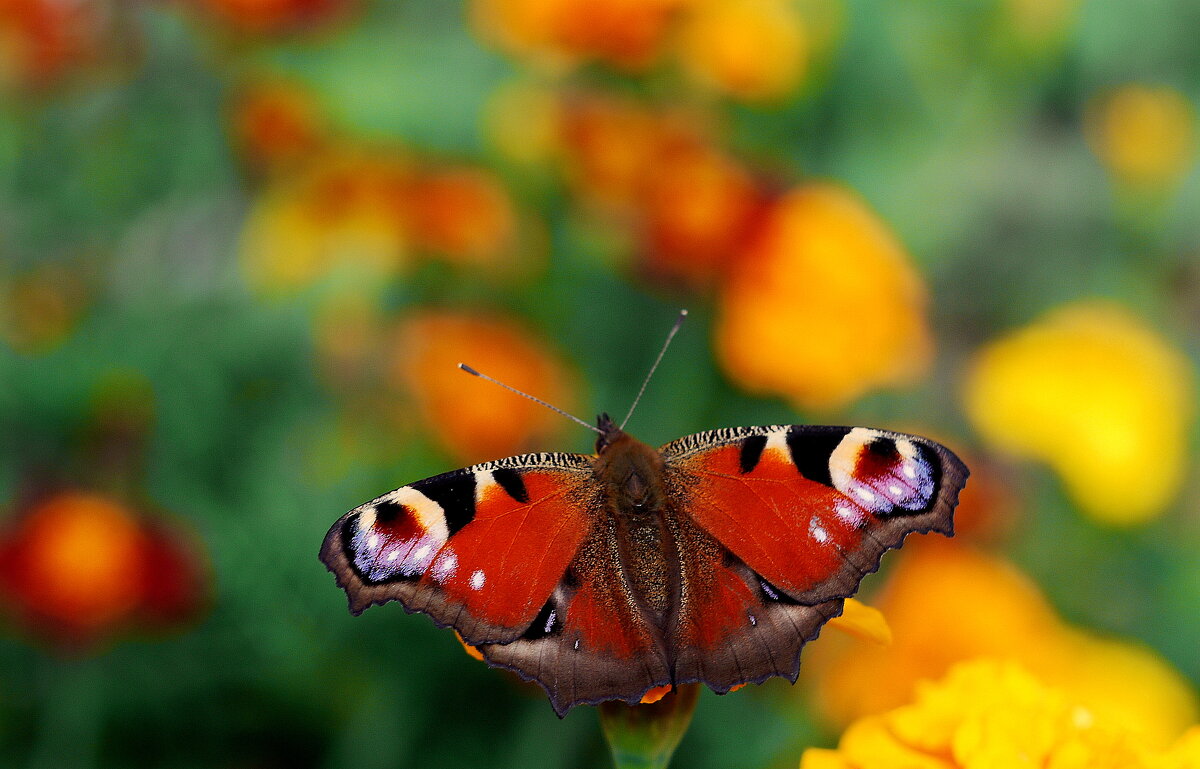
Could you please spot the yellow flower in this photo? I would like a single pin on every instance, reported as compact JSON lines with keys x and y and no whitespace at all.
{"x":344,"y":213}
{"x":824,"y":305}
{"x":1097,"y":395}
{"x":946,"y":603}
{"x":749,"y":49}
{"x":1144,"y":135}
{"x":987,"y":713}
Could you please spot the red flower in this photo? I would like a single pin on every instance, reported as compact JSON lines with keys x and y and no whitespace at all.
{"x":79,"y":566}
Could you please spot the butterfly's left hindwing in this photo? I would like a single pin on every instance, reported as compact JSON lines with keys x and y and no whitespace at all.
{"x":479,"y":549}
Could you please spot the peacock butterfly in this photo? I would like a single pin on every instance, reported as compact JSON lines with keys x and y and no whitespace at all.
{"x":712,"y":559}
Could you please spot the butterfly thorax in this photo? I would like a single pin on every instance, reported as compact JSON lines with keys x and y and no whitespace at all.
{"x":631,"y":474}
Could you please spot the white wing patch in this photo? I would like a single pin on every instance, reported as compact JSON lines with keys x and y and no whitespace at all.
{"x":875,"y":482}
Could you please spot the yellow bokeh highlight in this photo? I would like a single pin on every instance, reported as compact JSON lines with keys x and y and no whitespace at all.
{"x":862,"y":621}
{"x":749,"y":49}
{"x":1144,"y":135}
{"x":946,"y":603}
{"x":343,"y":214}
{"x":1100,"y":397}
{"x":824,"y":306}
{"x":989,"y":713}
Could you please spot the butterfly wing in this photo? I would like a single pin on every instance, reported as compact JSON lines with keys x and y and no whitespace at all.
{"x":592,"y":640}
{"x":479,"y":549}
{"x":519,"y":556}
{"x":784,"y":522}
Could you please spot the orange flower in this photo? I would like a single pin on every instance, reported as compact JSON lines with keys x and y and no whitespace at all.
{"x":277,"y":124}
{"x":609,"y":147}
{"x":464,"y":214}
{"x":1144,"y":135}
{"x":658,"y":175}
{"x":824,"y":305}
{"x":1099,"y":396}
{"x":946,"y":603}
{"x":699,"y":208}
{"x":749,"y":49}
{"x":473,"y":419}
{"x":277,"y":16}
{"x":628,"y":33}
{"x":43,"y":41}
{"x":988,"y":713}
{"x":79,"y":565}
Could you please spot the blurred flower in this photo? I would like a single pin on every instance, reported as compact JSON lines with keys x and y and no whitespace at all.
{"x":657,"y":175}
{"x":77,"y":566}
{"x":267,"y":17}
{"x":366,"y":215}
{"x":700,"y":206}
{"x":749,"y":49}
{"x":823,"y":305}
{"x":277,"y":124}
{"x":343,"y":214}
{"x":988,"y":713}
{"x":1100,"y":397}
{"x":38,"y":309}
{"x":474,"y":419}
{"x":627,"y":33}
{"x":946,"y":603}
{"x":1144,"y":135}
{"x":463,"y":214}
{"x":609,"y":148}
{"x":42,"y":41}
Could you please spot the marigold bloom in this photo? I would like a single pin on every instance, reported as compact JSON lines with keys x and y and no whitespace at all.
{"x":346,"y":212}
{"x":463,"y":214}
{"x":610,"y":147}
{"x":473,"y":419}
{"x":277,"y":124}
{"x":627,"y":33}
{"x":1144,"y":135}
{"x":988,"y":713}
{"x":78,"y":565}
{"x":749,"y":49}
{"x":1100,"y":397}
{"x":823,"y":305}
{"x":41,"y":41}
{"x":699,"y":207}
{"x":946,"y":603}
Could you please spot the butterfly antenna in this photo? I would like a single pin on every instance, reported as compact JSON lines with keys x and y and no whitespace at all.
{"x":555,"y":409}
{"x":670,"y":335}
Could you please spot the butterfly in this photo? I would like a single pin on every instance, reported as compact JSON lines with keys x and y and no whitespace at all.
{"x":712,"y":559}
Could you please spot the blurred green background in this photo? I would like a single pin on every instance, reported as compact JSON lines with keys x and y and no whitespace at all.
{"x":149,"y":356}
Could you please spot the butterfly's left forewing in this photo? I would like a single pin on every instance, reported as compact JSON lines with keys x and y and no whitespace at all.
{"x":479,"y":549}
{"x":520,"y":557}
{"x":784,"y":522}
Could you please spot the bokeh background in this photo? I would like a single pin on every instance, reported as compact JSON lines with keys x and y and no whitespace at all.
{"x":244,"y":242}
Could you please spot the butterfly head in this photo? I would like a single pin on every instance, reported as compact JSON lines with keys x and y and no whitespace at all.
{"x":610,"y":432}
